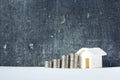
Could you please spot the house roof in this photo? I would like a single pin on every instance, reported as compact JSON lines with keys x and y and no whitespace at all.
{"x":93,"y":51}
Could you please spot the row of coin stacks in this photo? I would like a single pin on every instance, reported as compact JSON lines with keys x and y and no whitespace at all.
{"x":66,"y":61}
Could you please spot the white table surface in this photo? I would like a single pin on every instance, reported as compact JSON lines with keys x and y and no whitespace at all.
{"x":40,"y":73}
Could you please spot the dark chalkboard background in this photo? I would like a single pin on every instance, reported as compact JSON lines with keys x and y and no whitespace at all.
{"x":32,"y":31}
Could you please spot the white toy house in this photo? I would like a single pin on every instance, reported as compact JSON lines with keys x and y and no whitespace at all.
{"x":91,"y":57}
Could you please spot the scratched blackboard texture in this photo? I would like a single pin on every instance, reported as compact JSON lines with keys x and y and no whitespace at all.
{"x":32,"y":31}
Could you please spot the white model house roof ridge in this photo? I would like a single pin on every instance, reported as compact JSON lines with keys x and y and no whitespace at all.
{"x":93,"y":51}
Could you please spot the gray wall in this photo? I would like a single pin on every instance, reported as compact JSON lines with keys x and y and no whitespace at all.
{"x":32,"y":31}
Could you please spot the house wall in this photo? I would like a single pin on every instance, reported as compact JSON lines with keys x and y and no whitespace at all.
{"x":96,"y":62}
